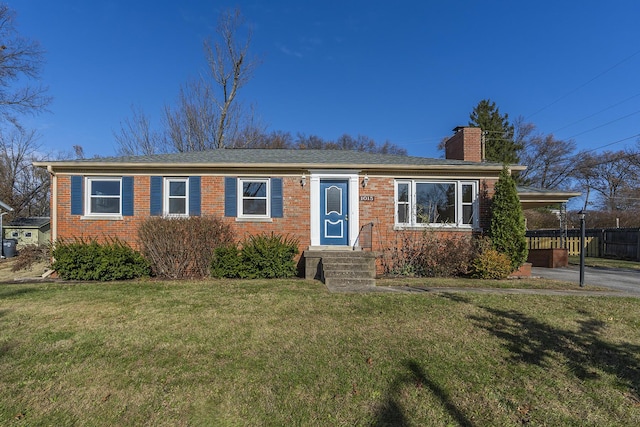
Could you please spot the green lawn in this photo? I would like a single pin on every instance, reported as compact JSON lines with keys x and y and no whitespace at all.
{"x":289,"y":353}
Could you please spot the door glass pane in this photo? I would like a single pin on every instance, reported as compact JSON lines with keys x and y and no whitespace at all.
{"x":333,"y":200}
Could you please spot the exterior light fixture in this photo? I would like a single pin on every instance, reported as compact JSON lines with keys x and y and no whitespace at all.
{"x":303,"y":180}
{"x":365,"y":181}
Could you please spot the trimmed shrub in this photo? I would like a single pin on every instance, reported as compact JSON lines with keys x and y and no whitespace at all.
{"x":226,"y":262}
{"x":112,"y":260}
{"x":261,"y":256}
{"x":491,"y":264}
{"x":179,"y":248}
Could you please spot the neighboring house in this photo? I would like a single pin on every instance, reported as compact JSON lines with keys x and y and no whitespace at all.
{"x":322,"y":197}
{"x":29,"y":231}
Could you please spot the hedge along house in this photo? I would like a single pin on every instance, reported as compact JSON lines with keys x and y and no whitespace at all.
{"x":326,"y":199}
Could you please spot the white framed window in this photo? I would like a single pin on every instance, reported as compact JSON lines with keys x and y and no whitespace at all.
{"x":254,"y":198}
{"x":436,"y":203}
{"x":104,"y":196}
{"x":15,"y":234}
{"x":27,"y":234}
{"x":176,"y":196}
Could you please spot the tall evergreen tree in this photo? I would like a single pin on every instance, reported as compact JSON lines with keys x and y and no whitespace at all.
{"x":507,"y":229}
{"x":500,"y":145}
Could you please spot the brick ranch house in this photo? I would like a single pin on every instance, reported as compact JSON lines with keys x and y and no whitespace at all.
{"x":324,"y":198}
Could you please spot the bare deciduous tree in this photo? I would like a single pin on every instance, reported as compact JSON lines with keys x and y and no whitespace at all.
{"x":230,"y":67}
{"x":610,"y":175}
{"x":207,"y":113}
{"x":21,"y":61}
{"x":23,"y":187}
{"x":136,"y":136}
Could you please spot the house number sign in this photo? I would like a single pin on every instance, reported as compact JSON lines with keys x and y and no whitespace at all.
{"x":367,"y":198}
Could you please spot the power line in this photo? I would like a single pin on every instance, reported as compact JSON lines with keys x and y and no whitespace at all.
{"x":613,"y":143}
{"x":571,"y":92}
{"x":604,"y":124}
{"x":596,"y":113}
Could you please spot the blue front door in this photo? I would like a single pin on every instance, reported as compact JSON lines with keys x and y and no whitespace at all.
{"x":334,"y":215}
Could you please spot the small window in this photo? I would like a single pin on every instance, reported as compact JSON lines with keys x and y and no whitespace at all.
{"x":403,"y":203}
{"x":27,"y":234}
{"x":176,"y":196}
{"x":253,"y":198}
{"x":104,"y":196}
{"x":15,"y":234}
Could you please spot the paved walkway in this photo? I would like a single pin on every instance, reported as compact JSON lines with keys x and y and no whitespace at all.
{"x":619,"y":282}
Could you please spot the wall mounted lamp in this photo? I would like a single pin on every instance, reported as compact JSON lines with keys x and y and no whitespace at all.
{"x":365,"y":181}
{"x":303,"y":180}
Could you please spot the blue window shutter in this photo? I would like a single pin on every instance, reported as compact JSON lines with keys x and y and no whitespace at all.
{"x":230,"y":196}
{"x":194,"y":196}
{"x":276,"y":197}
{"x":155,"y":190}
{"x":76,"y":195}
{"x":127,"y":196}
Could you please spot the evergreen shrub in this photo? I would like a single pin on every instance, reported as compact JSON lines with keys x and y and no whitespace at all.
{"x":507,"y":229}
{"x":91,"y":260}
{"x":267,"y":256}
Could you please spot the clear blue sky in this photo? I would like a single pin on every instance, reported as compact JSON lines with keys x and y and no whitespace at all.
{"x":404,"y":71}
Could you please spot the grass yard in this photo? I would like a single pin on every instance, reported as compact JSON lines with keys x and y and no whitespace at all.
{"x":289,"y":353}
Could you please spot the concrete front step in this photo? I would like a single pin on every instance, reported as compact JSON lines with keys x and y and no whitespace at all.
{"x":341,"y":270}
{"x":348,"y":283}
{"x":334,"y":273}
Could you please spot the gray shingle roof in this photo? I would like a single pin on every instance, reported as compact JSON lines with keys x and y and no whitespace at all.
{"x":36,"y":222}
{"x":278,"y":157}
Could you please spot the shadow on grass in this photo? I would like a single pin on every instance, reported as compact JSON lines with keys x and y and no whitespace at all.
{"x":391,"y":412}
{"x":586,"y":351}
{"x":8,"y":291}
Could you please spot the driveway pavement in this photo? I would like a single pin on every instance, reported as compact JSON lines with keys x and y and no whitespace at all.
{"x":621,"y":280}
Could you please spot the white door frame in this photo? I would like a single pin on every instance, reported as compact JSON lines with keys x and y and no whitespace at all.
{"x":354,"y":205}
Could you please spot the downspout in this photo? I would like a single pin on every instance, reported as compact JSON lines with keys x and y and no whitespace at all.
{"x":54,"y":205}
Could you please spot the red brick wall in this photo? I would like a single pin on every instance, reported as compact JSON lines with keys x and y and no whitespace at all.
{"x":295,"y":212}
{"x":295,"y":221}
{"x":69,"y":226}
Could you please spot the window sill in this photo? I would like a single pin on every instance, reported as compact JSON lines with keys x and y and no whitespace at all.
{"x":102,"y":217}
{"x":439,"y":227}
{"x":246,"y":219}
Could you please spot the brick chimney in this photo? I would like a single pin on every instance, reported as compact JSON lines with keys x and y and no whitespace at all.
{"x":465,"y":144}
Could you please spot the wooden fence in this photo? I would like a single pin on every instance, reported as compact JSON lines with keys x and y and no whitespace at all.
{"x":618,"y":243}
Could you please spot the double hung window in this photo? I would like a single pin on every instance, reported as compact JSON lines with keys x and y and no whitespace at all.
{"x":436,"y":203}
{"x":176,"y":196}
{"x":253,"y":197}
{"x":104,"y":196}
